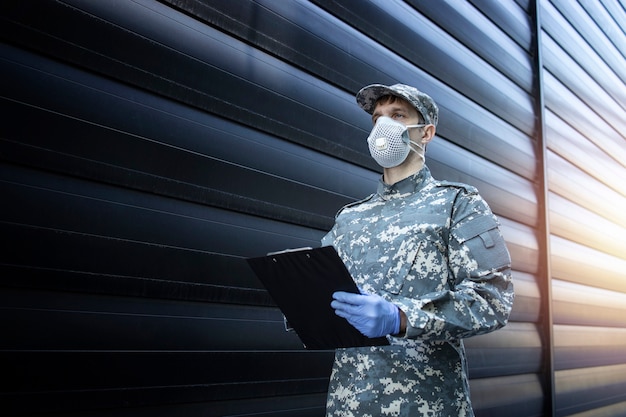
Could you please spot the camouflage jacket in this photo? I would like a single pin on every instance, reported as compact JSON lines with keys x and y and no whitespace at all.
{"x":434,"y":249}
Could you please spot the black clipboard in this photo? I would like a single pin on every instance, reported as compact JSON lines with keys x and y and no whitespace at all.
{"x":301,"y":282}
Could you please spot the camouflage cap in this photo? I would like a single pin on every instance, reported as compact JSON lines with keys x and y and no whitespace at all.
{"x":423,"y":103}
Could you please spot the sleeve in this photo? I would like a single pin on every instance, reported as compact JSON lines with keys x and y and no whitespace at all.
{"x":329,"y":238}
{"x":480,"y":295}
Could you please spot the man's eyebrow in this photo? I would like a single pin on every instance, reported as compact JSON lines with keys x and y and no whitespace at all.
{"x":393,"y":110}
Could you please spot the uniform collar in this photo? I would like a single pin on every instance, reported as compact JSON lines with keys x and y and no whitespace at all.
{"x":406,"y":186}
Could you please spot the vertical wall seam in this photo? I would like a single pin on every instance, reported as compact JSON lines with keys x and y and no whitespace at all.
{"x":543,"y":226}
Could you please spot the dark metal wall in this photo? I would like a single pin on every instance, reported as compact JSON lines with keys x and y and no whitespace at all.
{"x":584,"y":50}
{"x":147,"y":147}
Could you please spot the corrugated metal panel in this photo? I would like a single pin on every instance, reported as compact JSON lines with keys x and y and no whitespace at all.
{"x":584,"y":60}
{"x":151,"y":146}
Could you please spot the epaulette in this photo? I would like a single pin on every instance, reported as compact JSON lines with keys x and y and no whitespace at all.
{"x":470,"y":189}
{"x":355,"y":203}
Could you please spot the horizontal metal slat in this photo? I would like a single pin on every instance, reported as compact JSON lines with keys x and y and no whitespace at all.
{"x":35,"y":371}
{"x":118,"y":267}
{"x":99,"y":322}
{"x":580,"y":390}
{"x":141,"y":213}
{"x":230,"y":85}
{"x":473,"y":29}
{"x":527,"y":298}
{"x":570,"y":145}
{"x":143,"y":153}
{"x":522,"y":243}
{"x":578,"y":114}
{"x":113,"y":261}
{"x":272,"y":399}
{"x":611,"y":410}
{"x":515,"y":396}
{"x":490,"y":355}
{"x":64,"y":382}
{"x":295,"y":31}
{"x":236,"y":292}
{"x":587,"y":86}
{"x":577,"y":224}
{"x":398,"y":27}
{"x":576,"y":304}
{"x":573,"y":183}
{"x":579,"y":264}
{"x":599,"y":53}
{"x":585,"y":346}
{"x":512,"y":17}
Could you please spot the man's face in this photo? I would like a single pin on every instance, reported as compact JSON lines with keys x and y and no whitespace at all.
{"x":399,"y":110}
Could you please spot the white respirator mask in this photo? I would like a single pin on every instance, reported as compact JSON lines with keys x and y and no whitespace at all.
{"x":389,"y":142}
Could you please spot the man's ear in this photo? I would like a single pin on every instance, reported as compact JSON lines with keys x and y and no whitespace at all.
{"x":429,"y":133}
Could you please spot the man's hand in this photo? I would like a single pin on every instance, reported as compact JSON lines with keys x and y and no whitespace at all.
{"x":370,"y":314}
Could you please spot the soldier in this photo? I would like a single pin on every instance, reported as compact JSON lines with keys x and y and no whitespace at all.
{"x":432,"y":267}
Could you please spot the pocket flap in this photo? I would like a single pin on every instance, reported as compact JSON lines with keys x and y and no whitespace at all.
{"x":477,"y":227}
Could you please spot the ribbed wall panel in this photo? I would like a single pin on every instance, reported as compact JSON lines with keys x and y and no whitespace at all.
{"x":585,"y":92}
{"x":148,"y":147}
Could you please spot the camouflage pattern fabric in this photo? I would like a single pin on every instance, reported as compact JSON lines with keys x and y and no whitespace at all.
{"x":367,"y":97}
{"x":434,"y":249}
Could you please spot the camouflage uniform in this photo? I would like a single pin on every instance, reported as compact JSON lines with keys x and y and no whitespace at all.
{"x":434,"y":249}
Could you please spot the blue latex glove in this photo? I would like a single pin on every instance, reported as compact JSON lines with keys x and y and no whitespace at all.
{"x":370,"y":314}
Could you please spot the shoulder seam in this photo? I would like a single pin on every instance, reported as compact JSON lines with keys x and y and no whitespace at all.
{"x":354,"y":203}
{"x":453,"y":184}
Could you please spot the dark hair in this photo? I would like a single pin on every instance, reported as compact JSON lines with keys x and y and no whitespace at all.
{"x":387,"y":99}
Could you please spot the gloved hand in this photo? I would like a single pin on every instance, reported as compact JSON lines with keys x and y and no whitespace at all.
{"x":370,"y":314}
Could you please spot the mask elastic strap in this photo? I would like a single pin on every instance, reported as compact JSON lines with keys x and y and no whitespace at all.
{"x":421,"y":155}
{"x":415,"y":143}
